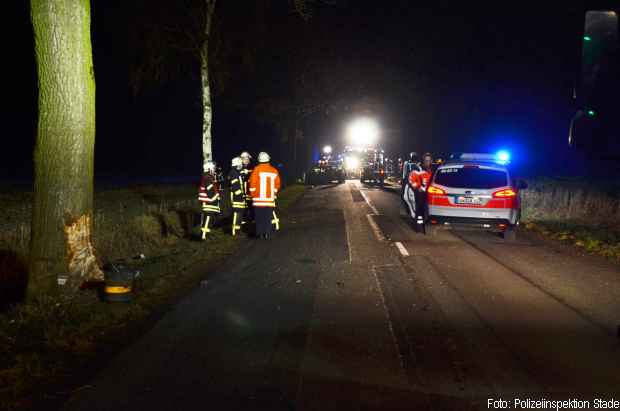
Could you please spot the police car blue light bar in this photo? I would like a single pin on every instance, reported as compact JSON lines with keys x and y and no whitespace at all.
{"x":502,"y":157}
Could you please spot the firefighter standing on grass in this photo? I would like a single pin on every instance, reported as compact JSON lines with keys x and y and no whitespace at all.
{"x":209,"y":197}
{"x":237,"y":194}
{"x":246,"y":170}
{"x":264,"y":185}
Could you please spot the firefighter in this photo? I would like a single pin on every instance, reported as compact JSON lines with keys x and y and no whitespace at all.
{"x":264,"y":185}
{"x":237,"y":194}
{"x":246,"y":170}
{"x":420,"y":180}
{"x":209,"y":197}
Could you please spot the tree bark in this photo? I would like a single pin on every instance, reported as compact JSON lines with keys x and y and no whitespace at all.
{"x":207,"y":112}
{"x":64,"y":150}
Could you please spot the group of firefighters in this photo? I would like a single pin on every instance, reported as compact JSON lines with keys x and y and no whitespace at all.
{"x":253,"y":194}
{"x":416,"y":176}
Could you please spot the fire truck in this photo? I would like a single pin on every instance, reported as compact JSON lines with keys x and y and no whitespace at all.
{"x":373,"y":166}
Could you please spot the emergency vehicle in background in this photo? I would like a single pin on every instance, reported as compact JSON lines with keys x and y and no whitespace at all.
{"x":373,"y":166}
{"x":327,"y":170}
{"x":474,"y":191}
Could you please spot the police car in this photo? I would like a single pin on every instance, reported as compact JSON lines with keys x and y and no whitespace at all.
{"x":475,"y":191}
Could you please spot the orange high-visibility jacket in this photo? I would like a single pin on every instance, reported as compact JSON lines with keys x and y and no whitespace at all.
{"x":264,"y":185}
{"x":419,"y":180}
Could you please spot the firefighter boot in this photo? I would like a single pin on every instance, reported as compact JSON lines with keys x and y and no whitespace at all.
{"x":205,"y":226}
{"x":237,"y":215}
{"x":276,"y":221}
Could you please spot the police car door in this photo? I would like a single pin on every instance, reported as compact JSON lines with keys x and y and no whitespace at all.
{"x":408,"y":191}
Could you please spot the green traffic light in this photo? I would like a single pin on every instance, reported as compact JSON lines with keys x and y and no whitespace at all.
{"x":587,"y":38}
{"x":591,"y":113}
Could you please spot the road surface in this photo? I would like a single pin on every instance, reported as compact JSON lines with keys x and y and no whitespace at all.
{"x":348,"y":309}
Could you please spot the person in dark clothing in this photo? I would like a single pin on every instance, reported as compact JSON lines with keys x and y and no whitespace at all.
{"x":424,"y":180}
{"x":246,"y":170}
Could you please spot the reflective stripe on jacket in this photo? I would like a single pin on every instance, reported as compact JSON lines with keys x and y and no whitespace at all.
{"x":237,"y":189}
{"x":209,"y":193}
{"x":245,"y":175}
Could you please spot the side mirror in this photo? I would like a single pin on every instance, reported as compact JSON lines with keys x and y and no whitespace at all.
{"x":521,"y":184}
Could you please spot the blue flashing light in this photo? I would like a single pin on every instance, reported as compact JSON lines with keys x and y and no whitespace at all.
{"x":503,"y":156}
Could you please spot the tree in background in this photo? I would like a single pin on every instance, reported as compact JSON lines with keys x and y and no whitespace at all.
{"x":168,"y":39}
{"x":258,"y":56}
{"x":64,"y":151}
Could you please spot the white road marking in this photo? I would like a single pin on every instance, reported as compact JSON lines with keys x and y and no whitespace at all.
{"x":346,"y":229}
{"x":372,"y":207}
{"x":375,"y":228}
{"x":389,"y":319}
{"x":401,"y":248}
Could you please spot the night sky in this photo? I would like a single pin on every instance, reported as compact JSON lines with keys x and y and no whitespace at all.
{"x":442,"y":78}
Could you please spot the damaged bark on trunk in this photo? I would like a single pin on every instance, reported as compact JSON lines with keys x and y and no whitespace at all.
{"x":64,"y":151}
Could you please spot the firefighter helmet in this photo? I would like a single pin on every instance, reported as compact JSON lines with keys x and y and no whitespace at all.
{"x":263,"y":157}
{"x":236,"y":162}
{"x":209,"y":167}
{"x":245,"y":154}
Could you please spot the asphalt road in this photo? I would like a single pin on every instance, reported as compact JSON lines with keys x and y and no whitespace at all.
{"x":348,"y":309}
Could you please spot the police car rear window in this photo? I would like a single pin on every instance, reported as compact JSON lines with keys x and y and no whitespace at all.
{"x":471,"y":177}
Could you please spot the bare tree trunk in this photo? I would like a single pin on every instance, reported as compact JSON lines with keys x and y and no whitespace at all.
{"x":207,"y":112}
{"x":64,"y":151}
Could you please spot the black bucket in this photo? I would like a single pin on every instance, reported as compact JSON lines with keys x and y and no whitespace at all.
{"x":119,"y":283}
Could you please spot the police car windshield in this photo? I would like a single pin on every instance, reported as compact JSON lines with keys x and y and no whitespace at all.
{"x":471,"y":177}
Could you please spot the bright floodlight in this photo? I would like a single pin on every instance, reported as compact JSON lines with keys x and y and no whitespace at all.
{"x":351,"y":163}
{"x":363,"y":132}
{"x":327,"y":149}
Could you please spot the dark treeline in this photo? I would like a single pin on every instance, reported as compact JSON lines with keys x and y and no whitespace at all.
{"x":446,"y":78}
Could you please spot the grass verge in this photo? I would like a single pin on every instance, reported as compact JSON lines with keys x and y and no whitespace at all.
{"x":51,"y":347}
{"x":574,"y":211}
{"x":596,"y":239}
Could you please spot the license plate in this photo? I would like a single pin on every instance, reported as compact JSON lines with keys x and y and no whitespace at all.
{"x":468,"y":200}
